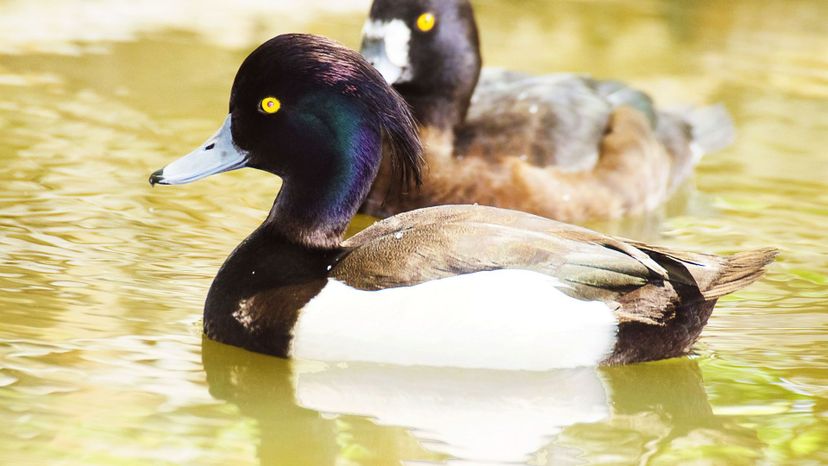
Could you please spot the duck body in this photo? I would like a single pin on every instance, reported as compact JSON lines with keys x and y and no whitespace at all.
{"x":470,"y":286}
{"x":563,"y":146}
{"x":456,"y":285}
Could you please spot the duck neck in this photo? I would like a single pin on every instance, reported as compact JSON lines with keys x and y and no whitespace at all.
{"x":315,"y":206}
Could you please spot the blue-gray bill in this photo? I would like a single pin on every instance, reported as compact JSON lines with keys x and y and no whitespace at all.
{"x":217,"y":155}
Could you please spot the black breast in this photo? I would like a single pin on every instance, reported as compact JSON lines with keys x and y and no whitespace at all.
{"x":256,"y":297}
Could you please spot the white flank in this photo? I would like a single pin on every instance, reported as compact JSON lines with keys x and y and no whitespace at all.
{"x":502,"y":319}
{"x":396,"y":36}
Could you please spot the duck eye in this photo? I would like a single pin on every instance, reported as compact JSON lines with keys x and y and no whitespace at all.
{"x":425,"y":22}
{"x":270,"y":105}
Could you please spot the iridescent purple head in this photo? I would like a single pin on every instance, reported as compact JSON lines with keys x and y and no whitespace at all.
{"x":316,"y":114}
{"x":330,"y":99}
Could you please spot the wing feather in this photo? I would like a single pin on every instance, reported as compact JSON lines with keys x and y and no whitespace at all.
{"x":646,"y":284}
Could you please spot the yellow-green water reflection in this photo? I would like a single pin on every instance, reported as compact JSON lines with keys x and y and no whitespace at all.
{"x":102,"y":279}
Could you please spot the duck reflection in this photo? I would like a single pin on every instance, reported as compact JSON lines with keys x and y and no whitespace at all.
{"x":261,"y":388}
{"x":319,"y":414}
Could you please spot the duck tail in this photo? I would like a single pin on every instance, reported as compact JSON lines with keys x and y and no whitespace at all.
{"x":711,"y":128}
{"x":739,"y":271}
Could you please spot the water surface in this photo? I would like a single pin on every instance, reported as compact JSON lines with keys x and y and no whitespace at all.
{"x":102,"y":279}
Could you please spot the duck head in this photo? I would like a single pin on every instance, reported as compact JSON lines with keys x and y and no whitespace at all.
{"x":430,"y":51}
{"x":315,"y":114}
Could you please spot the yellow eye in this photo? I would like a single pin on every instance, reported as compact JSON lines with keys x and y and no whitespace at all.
{"x":270,"y":105}
{"x":425,"y":22}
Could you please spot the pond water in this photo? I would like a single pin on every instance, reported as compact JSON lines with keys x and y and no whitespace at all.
{"x":102,"y":278}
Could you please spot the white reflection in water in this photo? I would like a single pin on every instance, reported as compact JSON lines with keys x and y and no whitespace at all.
{"x":482,"y":417}
{"x":320,"y":414}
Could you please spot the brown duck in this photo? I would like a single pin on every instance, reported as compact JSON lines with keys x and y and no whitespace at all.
{"x":464,"y":286}
{"x":566,"y":147}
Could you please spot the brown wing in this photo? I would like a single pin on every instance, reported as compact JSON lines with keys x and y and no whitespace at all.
{"x":439,"y":242}
{"x":631,"y":175}
{"x":545,"y":120}
{"x":646,"y":283}
{"x":557,"y":119}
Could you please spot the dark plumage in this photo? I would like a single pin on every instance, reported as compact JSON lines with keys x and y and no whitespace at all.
{"x":325,"y":141}
{"x":563,"y":146}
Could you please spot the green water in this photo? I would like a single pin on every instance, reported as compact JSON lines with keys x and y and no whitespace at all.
{"x":102,"y":278}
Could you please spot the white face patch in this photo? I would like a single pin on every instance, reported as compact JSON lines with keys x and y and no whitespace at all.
{"x":395,"y":36}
